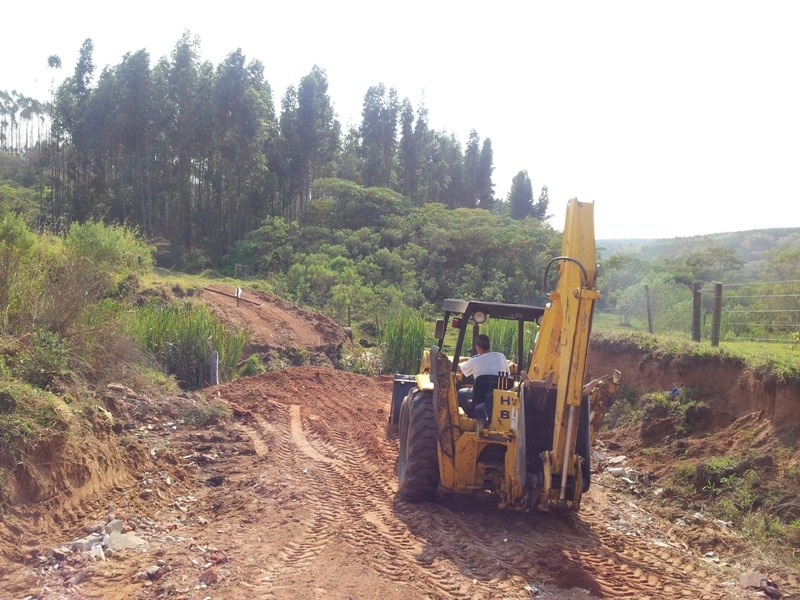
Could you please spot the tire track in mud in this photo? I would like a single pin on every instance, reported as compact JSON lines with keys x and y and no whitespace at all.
{"x":352,"y":501}
{"x":461,"y":546}
{"x":363,"y":492}
{"x":318,"y":529}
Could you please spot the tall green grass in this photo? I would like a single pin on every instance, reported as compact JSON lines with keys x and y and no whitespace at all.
{"x":503,"y":336}
{"x":404,"y":338}
{"x":182,"y":337}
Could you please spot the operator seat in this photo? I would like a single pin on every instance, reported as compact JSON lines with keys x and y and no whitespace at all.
{"x":482,"y":393}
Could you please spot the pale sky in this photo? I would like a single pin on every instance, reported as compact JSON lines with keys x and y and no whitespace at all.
{"x":676,"y":118}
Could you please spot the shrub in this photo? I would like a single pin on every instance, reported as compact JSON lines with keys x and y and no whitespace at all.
{"x":111,"y":249}
{"x":47,"y":361}
{"x":28,"y":417}
{"x":252,"y":366}
{"x":17,"y":248}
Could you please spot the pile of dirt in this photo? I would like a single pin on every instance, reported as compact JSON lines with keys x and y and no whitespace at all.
{"x":277,"y":327}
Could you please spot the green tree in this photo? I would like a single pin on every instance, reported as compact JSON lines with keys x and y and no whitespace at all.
{"x":783,"y":266}
{"x":238,"y":173}
{"x":713,"y":263}
{"x":452,"y":164}
{"x":483,"y":178}
{"x":379,"y":136}
{"x":520,"y":196}
{"x":346,"y":205}
{"x":350,"y":163}
{"x":408,"y":154}
{"x":617,"y":273}
{"x":309,"y":139}
{"x":181,"y":119}
{"x":539,"y":209}
{"x":472,"y":170}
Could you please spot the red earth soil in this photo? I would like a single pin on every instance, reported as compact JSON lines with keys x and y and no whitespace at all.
{"x":294,"y":498}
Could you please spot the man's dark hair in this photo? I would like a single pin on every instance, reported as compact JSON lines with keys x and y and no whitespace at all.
{"x":482,"y":342}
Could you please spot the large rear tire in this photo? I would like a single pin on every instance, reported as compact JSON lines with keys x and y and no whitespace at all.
{"x":417,"y":460}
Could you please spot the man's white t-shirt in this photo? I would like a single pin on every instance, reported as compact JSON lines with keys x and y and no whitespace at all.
{"x":490,"y":363}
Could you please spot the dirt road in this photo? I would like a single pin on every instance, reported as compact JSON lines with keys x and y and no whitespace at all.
{"x":295,"y":499}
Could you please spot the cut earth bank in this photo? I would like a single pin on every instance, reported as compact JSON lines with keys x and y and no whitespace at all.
{"x":294,"y":496}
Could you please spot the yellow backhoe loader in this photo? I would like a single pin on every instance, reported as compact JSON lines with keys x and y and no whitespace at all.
{"x":531,"y":443}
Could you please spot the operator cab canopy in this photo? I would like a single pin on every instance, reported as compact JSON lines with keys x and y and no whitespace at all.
{"x":498,"y":310}
{"x":478,"y":311}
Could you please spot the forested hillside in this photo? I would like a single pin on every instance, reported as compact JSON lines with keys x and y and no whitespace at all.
{"x":197,"y":155}
{"x":752,"y":247}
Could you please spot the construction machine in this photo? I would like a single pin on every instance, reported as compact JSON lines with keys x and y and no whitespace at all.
{"x":530,"y":445}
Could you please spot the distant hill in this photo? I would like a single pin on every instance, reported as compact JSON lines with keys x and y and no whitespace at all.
{"x":749,"y":245}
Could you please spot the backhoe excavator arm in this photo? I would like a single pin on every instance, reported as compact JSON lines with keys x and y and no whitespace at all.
{"x":559,"y":358}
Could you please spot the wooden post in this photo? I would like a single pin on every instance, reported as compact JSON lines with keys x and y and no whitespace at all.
{"x":649,"y":309}
{"x":696,"y":309}
{"x":717,"y":317}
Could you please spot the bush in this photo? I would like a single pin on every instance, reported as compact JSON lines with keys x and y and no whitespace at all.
{"x":111,"y":249}
{"x":252,"y":366}
{"x":209,"y":413}
{"x":47,"y":361}
{"x":17,"y":249}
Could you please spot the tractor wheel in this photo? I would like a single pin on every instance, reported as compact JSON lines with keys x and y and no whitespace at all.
{"x":417,"y":460}
{"x":583,"y":445}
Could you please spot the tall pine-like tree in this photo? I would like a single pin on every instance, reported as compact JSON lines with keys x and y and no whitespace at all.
{"x":311,"y":135}
{"x":472,"y":170}
{"x":484,"y":176}
{"x":520,"y":197}
{"x":539,"y":210}
{"x":379,"y":136}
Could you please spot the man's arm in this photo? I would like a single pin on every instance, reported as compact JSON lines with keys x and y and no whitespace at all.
{"x":467,"y":368}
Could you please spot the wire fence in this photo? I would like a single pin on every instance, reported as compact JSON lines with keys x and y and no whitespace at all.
{"x":757,"y":311}
{"x":767,"y":312}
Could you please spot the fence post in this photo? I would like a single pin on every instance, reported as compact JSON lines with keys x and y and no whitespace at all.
{"x":715,"y":322}
{"x":696,"y":311}
{"x":649,"y":309}
{"x":214,"y":367}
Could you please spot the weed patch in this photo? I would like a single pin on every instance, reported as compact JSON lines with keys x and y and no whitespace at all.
{"x":28,"y":417}
{"x":252,"y":366}
{"x":205,"y":414}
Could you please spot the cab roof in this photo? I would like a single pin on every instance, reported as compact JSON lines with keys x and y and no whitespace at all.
{"x":496,"y":310}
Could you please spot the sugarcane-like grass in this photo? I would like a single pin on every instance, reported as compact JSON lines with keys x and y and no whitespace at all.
{"x":403,"y":340}
{"x":182,"y":338}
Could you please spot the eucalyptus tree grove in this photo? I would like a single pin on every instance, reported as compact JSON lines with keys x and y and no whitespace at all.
{"x":196,"y":155}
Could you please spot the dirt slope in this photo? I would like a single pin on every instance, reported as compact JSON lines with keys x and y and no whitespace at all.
{"x":295,"y":500}
{"x":275,"y":325}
